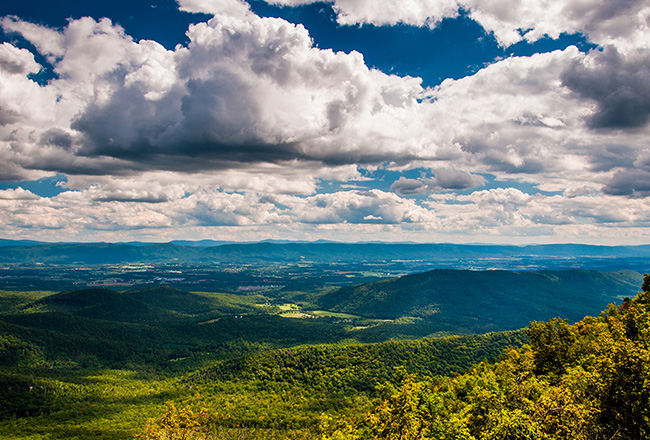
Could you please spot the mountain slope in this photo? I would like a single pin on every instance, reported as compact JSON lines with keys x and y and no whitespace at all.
{"x":572,"y":382}
{"x":150,"y":303}
{"x":95,"y":303}
{"x":170,"y":299}
{"x":484,"y":301}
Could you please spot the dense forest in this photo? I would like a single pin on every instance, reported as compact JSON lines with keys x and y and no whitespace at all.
{"x":158,"y":362}
{"x":590,"y":380}
{"x":482,"y":301}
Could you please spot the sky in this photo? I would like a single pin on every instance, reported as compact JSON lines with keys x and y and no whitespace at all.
{"x":459,"y":121}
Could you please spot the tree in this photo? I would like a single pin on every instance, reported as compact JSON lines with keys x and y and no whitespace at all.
{"x":174,"y":424}
{"x":553,"y":345}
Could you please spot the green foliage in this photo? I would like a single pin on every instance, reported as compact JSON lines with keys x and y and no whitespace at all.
{"x":66,"y":374}
{"x":15,"y":352}
{"x":331,"y":369}
{"x":403,"y":412}
{"x":13,"y":301}
{"x":174,"y":424}
{"x":589,"y":380}
{"x":147,"y":304}
{"x":553,"y":345}
{"x":277,"y":394}
{"x":464,"y":301}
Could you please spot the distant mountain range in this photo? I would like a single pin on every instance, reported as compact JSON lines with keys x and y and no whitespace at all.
{"x":481,"y":301}
{"x":439,"y":255}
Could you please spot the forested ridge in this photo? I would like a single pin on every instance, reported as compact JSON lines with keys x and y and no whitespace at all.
{"x":97,"y":363}
{"x":590,"y":380}
{"x":482,"y":301}
{"x":181,"y":368}
{"x":360,"y":367}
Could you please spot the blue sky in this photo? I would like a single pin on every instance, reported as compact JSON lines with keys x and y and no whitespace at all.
{"x":456,"y":48}
{"x":450,"y":120}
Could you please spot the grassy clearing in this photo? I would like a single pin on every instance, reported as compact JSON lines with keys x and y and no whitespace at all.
{"x":296,"y":315}
{"x":328,"y":314}
{"x":289,"y":307}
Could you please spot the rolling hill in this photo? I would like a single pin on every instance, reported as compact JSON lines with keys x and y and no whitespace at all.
{"x":94,"y":303}
{"x":479,"y":301}
{"x":153,"y":303}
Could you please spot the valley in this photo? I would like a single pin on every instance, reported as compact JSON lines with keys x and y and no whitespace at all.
{"x":257,"y":351}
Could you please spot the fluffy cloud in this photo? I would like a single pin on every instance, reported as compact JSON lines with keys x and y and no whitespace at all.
{"x":250,"y":92}
{"x":372,"y":206}
{"x":443,"y":179}
{"x":16,"y":61}
{"x":386,"y":12}
{"x":17,"y":194}
{"x":449,"y":178}
{"x":245,"y":90}
{"x":408,"y":187}
{"x":620,"y":22}
{"x":510,"y":209}
{"x":110,"y":207}
{"x":231,"y":7}
{"x":514,"y":118}
{"x":95,"y":213}
{"x":634,"y":183}
{"x":617,"y":83}
{"x":239,"y":128}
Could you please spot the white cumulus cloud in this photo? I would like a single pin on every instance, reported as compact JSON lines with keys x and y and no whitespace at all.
{"x":242,"y":126}
{"x":620,"y":22}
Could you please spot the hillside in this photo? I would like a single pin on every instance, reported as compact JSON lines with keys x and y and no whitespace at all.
{"x":584,"y":381}
{"x":70,"y":369}
{"x":171,"y":300}
{"x":94,"y":303}
{"x":360,"y":367}
{"x":152,"y":303}
{"x":479,"y":301}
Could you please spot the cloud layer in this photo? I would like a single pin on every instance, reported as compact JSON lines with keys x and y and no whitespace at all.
{"x":620,"y":22}
{"x":246,"y":125}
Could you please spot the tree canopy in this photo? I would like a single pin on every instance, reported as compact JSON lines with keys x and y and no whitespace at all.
{"x":590,"y":380}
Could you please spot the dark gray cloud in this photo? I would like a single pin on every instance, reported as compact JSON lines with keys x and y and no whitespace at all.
{"x":57,"y":137}
{"x":214,"y":129}
{"x":552,"y":219}
{"x":606,"y":158}
{"x":610,"y":9}
{"x":444,"y":179}
{"x":144,"y":199}
{"x":633,"y":183}
{"x":505,"y":162}
{"x":8,"y":116}
{"x":448,"y":178}
{"x":408,"y":187}
{"x":126,"y":126}
{"x":617,"y":83}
